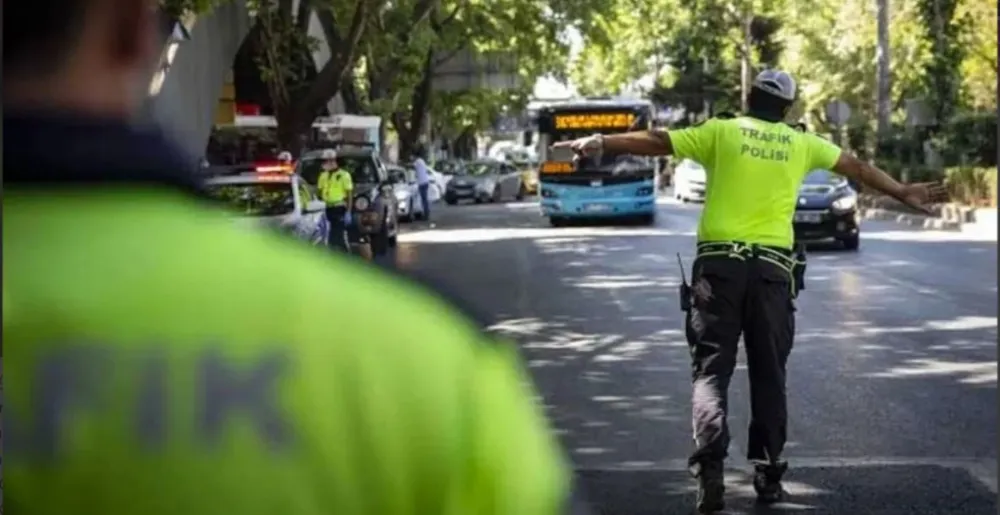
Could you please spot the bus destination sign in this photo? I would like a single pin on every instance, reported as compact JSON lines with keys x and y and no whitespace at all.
{"x":557,"y":167}
{"x":594,"y":121}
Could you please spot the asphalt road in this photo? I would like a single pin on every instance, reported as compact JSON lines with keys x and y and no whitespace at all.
{"x":893,"y":378}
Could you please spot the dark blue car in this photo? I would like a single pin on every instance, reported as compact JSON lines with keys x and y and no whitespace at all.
{"x":827,"y":209}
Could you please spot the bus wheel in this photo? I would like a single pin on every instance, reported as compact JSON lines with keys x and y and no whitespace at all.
{"x":557,"y":221}
{"x":647,"y":219}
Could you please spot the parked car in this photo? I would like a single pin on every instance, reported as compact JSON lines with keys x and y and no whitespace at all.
{"x":376,"y":214}
{"x":407,"y":193}
{"x":484,"y":181}
{"x":827,"y":209}
{"x":689,"y":181}
{"x":280,"y":200}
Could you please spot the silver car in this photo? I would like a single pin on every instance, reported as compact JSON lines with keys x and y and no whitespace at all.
{"x":484,"y":181}
{"x":282,"y":201}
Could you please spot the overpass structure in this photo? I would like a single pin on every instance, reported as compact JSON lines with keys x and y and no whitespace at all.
{"x":193,"y":76}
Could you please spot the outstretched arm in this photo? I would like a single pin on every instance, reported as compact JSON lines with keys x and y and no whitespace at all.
{"x":916,"y":196}
{"x":639,"y":143}
{"x":693,"y":142}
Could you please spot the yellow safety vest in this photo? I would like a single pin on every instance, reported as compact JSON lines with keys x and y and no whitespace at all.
{"x":333,"y":186}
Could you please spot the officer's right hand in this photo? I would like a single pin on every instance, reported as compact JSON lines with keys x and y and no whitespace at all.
{"x":587,"y":146}
{"x":347,"y":218}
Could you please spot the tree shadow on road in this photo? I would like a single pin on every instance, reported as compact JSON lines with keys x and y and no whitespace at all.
{"x":878,"y":489}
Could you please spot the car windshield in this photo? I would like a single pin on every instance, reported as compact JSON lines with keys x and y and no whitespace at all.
{"x":449,"y":167}
{"x":361,"y":168}
{"x":256,"y":198}
{"x":822,"y":177}
{"x":403,"y":175}
{"x":480,"y":168}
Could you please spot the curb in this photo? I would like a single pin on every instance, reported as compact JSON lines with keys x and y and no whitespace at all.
{"x":921,"y":221}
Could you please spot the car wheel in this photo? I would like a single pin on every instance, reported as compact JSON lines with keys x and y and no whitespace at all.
{"x":451,"y":201}
{"x":522,"y":192}
{"x":852,"y":242}
{"x":497,"y":195}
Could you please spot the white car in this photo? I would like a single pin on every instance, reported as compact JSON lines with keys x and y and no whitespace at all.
{"x":408,"y":192}
{"x":281,"y":201}
{"x":689,"y":181}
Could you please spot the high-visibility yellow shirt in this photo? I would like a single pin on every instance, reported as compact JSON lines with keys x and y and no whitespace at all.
{"x":334,"y":186}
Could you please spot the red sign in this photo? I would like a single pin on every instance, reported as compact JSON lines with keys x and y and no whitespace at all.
{"x":244,"y":109}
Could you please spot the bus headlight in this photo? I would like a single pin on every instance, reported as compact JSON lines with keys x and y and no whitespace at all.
{"x":846,"y":203}
{"x":361,"y":203}
{"x":547,"y":193}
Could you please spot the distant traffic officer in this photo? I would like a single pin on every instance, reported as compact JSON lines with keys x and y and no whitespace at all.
{"x":743,"y":276}
{"x":335,"y":188}
{"x":162,"y":360}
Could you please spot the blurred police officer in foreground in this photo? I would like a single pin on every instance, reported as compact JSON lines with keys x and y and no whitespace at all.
{"x":744,"y":276}
{"x":162,"y":361}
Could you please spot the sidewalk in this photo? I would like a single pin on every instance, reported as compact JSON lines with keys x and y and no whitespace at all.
{"x":980,"y":222}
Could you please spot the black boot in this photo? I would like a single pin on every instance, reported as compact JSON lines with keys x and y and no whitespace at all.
{"x":711,"y":487}
{"x":767,"y":482}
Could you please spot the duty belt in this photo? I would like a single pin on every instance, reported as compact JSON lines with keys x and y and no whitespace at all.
{"x":783,"y":258}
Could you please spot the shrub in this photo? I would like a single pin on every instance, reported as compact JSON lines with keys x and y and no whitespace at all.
{"x":973,"y":186}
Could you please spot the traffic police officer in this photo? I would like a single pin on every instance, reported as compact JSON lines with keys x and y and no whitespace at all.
{"x":162,"y":360}
{"x":335,"y":188}
{"x":743,"y":275}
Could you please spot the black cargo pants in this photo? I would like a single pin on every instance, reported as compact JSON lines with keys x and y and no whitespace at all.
{"x":738,"y":290}
{"x":337,"y":236}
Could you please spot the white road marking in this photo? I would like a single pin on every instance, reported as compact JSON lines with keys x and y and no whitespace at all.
{"x":982,"y":470}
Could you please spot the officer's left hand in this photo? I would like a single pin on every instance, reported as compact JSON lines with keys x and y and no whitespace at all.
{"x":920,"y":195}
{"x":347,"y":218}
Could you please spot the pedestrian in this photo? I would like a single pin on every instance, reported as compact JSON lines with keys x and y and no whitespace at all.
{"x":743,"y":277}
{"x":166,"y":360}
{"x":423,"y":181}
{"x":336,"y":189}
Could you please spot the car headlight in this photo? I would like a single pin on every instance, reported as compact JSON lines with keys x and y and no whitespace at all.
{"x":361,"y":203}
{"x":402,"y":194}
{"x":486,"y":185}
{"x":845,"y":203}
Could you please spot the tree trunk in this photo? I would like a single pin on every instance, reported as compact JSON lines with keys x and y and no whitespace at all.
{"x":883,"y":98}
{"x":409,"y":133}
{"x":349,"y":94}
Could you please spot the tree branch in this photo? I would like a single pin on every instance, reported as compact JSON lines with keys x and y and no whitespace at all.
{"x":330,"y":78}
{"x":447,"y":57}
{"x":437,"y":25}
{"x":422,"y":11}
{"x":328,"y":22}
{"x":303,"y":15}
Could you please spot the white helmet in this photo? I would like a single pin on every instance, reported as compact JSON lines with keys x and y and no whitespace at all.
{"x":328,"y":154}
{"x":285,"y":156}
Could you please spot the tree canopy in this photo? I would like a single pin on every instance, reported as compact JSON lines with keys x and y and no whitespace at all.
{"x":941,"y":50}
{"x":408,"y":41}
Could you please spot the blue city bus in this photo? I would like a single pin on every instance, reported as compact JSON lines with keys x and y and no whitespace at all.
{"x":619,"y":187}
